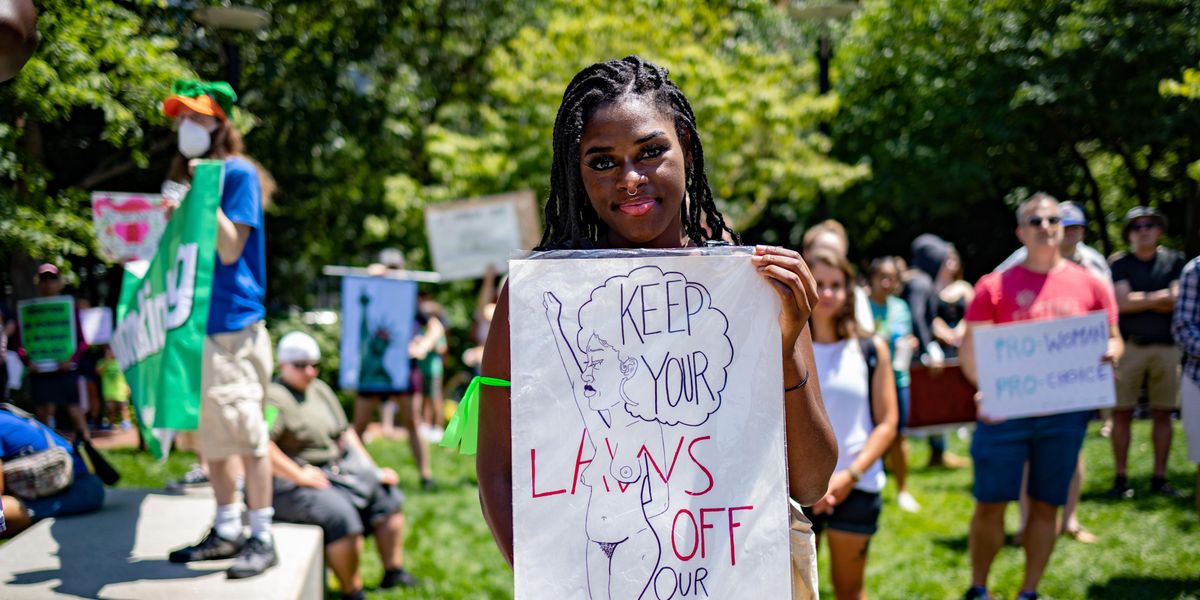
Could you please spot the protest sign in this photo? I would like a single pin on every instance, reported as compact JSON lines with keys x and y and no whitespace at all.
{"x":162,"y":317}
{"x":128,"y":226}
{"x":47,"y":329}
{"x":647,"y":427}
{"x":97,"y":324}
{"x":466,"y":236}
{"x":1044,"y":367}
{"x":378,"y":317}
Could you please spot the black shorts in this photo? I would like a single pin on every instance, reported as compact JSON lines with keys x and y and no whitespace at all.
{"x":858,"y":513}
{"x":56,"y":389}
{"x":332,"y":508}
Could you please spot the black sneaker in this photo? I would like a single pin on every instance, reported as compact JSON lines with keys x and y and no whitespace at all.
{"x":1162,"y":488}
{"x":1027,"y":596}
{"x":212,"y":547}
{"x":256,"y":556}
{"x":428,"y":484}
{"x":398,"y":577}
{"x":977,"y":592}
{"x":1119,"y":490}
{"x":193,"y":478}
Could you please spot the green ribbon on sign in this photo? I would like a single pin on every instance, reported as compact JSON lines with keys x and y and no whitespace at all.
{"x":462,"y":433}
{"x":220,"y":91}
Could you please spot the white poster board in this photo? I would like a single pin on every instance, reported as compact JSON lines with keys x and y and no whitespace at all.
{"x":1044,"y":367}
{"x":96,"y":324}
{"x":466,"y":236}
{"x":647,"y":428}
{"x":128,"y":226}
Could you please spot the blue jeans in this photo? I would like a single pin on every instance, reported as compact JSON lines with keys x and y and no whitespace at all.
{"x":1050,"y":445}
{"x":85,"y":495}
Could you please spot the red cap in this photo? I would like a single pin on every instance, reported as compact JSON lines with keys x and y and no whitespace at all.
{"x":47,"y":268}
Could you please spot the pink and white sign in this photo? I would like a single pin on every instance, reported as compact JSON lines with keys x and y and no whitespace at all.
{"x":128,"y":226}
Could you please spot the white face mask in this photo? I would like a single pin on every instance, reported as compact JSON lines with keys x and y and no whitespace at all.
{"x":194,"y":139}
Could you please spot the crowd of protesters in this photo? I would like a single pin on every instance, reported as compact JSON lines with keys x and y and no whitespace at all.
{"x":868,"y":334}
{"x":1152,"y":302}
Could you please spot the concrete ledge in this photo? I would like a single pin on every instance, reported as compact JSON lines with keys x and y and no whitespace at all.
{"x":121,"y":552}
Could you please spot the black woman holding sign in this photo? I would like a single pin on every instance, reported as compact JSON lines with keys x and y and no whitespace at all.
{"x":629,"y":172}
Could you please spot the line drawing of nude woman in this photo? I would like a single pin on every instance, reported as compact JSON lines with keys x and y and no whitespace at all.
{"x":623,"y":551}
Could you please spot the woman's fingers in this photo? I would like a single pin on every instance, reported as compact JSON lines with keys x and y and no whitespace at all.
{"x":789,"y":260}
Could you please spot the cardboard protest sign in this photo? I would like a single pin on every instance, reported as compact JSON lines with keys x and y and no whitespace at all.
{"x":1044,"y":367}
{"x":47,"y":329}
{"x":647,"y":427}
{"x":97,"y":324}
{"x":162,"y":317}
{"x":378,"y":317}
{"x":128,"y":226}
{"x":466,"y":236}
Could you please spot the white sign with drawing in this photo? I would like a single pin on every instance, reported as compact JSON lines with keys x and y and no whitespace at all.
{"x":647,"y":427}
{"x":1044,"y":367}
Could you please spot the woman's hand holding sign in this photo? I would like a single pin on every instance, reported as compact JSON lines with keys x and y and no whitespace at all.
{"x":791,"y":279}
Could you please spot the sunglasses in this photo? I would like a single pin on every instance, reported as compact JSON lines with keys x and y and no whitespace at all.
{"x":1143,"y":226}
{"x":304,"y":365}
{"x":47,"y":277}
{"x":1037,"y":221}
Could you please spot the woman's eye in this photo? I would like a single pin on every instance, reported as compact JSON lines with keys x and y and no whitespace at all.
{"x":601,"y":163}
{"x":653,"y":151}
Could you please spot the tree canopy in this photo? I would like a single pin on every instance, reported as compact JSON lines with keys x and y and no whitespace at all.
{"x":963,"y":107}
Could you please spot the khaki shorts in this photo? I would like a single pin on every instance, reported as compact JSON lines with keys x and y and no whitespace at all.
{"x":804,"y":554}
{"x":1190,"y":415}
{"x":236,"y":373}
{"x":1155,"y":364}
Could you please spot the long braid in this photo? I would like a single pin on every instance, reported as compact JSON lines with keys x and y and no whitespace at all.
{"x":570,"y":220}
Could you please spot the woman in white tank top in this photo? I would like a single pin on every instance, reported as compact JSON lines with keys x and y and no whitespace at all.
{"x":864,"y":427}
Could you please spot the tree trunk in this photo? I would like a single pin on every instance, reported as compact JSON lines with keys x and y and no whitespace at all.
{"x":1098,"y":216}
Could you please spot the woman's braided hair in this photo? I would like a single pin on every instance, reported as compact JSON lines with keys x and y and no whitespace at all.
{"x":571,"y":222}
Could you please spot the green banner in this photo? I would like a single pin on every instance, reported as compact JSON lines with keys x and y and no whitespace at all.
{"x":48,"y":328}
{"x":162,"y":318}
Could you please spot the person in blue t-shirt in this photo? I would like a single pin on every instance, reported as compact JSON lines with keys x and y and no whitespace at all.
{"x":237,"y":361}
{"x":894,"y":323}
{"x":21,"y":435}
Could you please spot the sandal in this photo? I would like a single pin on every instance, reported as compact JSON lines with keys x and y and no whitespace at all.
{"x":1080,"y":534}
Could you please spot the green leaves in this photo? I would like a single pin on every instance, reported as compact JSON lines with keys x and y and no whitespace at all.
{"x":83,"y":102}
{"x":755,"y":103}
{"x":957,"y":103}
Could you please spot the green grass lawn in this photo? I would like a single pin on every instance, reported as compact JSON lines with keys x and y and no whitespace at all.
{"x":1149,"y":547}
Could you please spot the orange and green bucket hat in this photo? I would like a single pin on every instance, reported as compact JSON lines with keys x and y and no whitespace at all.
{"x":214,"y":98}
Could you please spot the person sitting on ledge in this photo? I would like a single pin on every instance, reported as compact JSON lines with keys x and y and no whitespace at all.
{"x":22,"y":435}
{"x":325,"y":477}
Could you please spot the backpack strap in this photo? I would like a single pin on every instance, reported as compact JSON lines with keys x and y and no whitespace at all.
{"x":867,"y":345}
{"x":12,"y":408}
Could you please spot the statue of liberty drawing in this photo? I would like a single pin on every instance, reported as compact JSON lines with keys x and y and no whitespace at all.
{"x":372,"y":346}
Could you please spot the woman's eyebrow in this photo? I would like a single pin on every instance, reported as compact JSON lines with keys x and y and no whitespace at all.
{"x":641,"y":140}
{"x":648,"y":137}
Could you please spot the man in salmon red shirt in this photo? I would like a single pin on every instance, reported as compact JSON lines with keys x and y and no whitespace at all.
{"x":1045,"y":286}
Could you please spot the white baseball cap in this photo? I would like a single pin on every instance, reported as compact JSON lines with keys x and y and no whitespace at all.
{"x":297,"y":346}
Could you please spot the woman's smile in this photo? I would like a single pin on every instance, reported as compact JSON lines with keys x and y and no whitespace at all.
{"x":636,"y":207}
